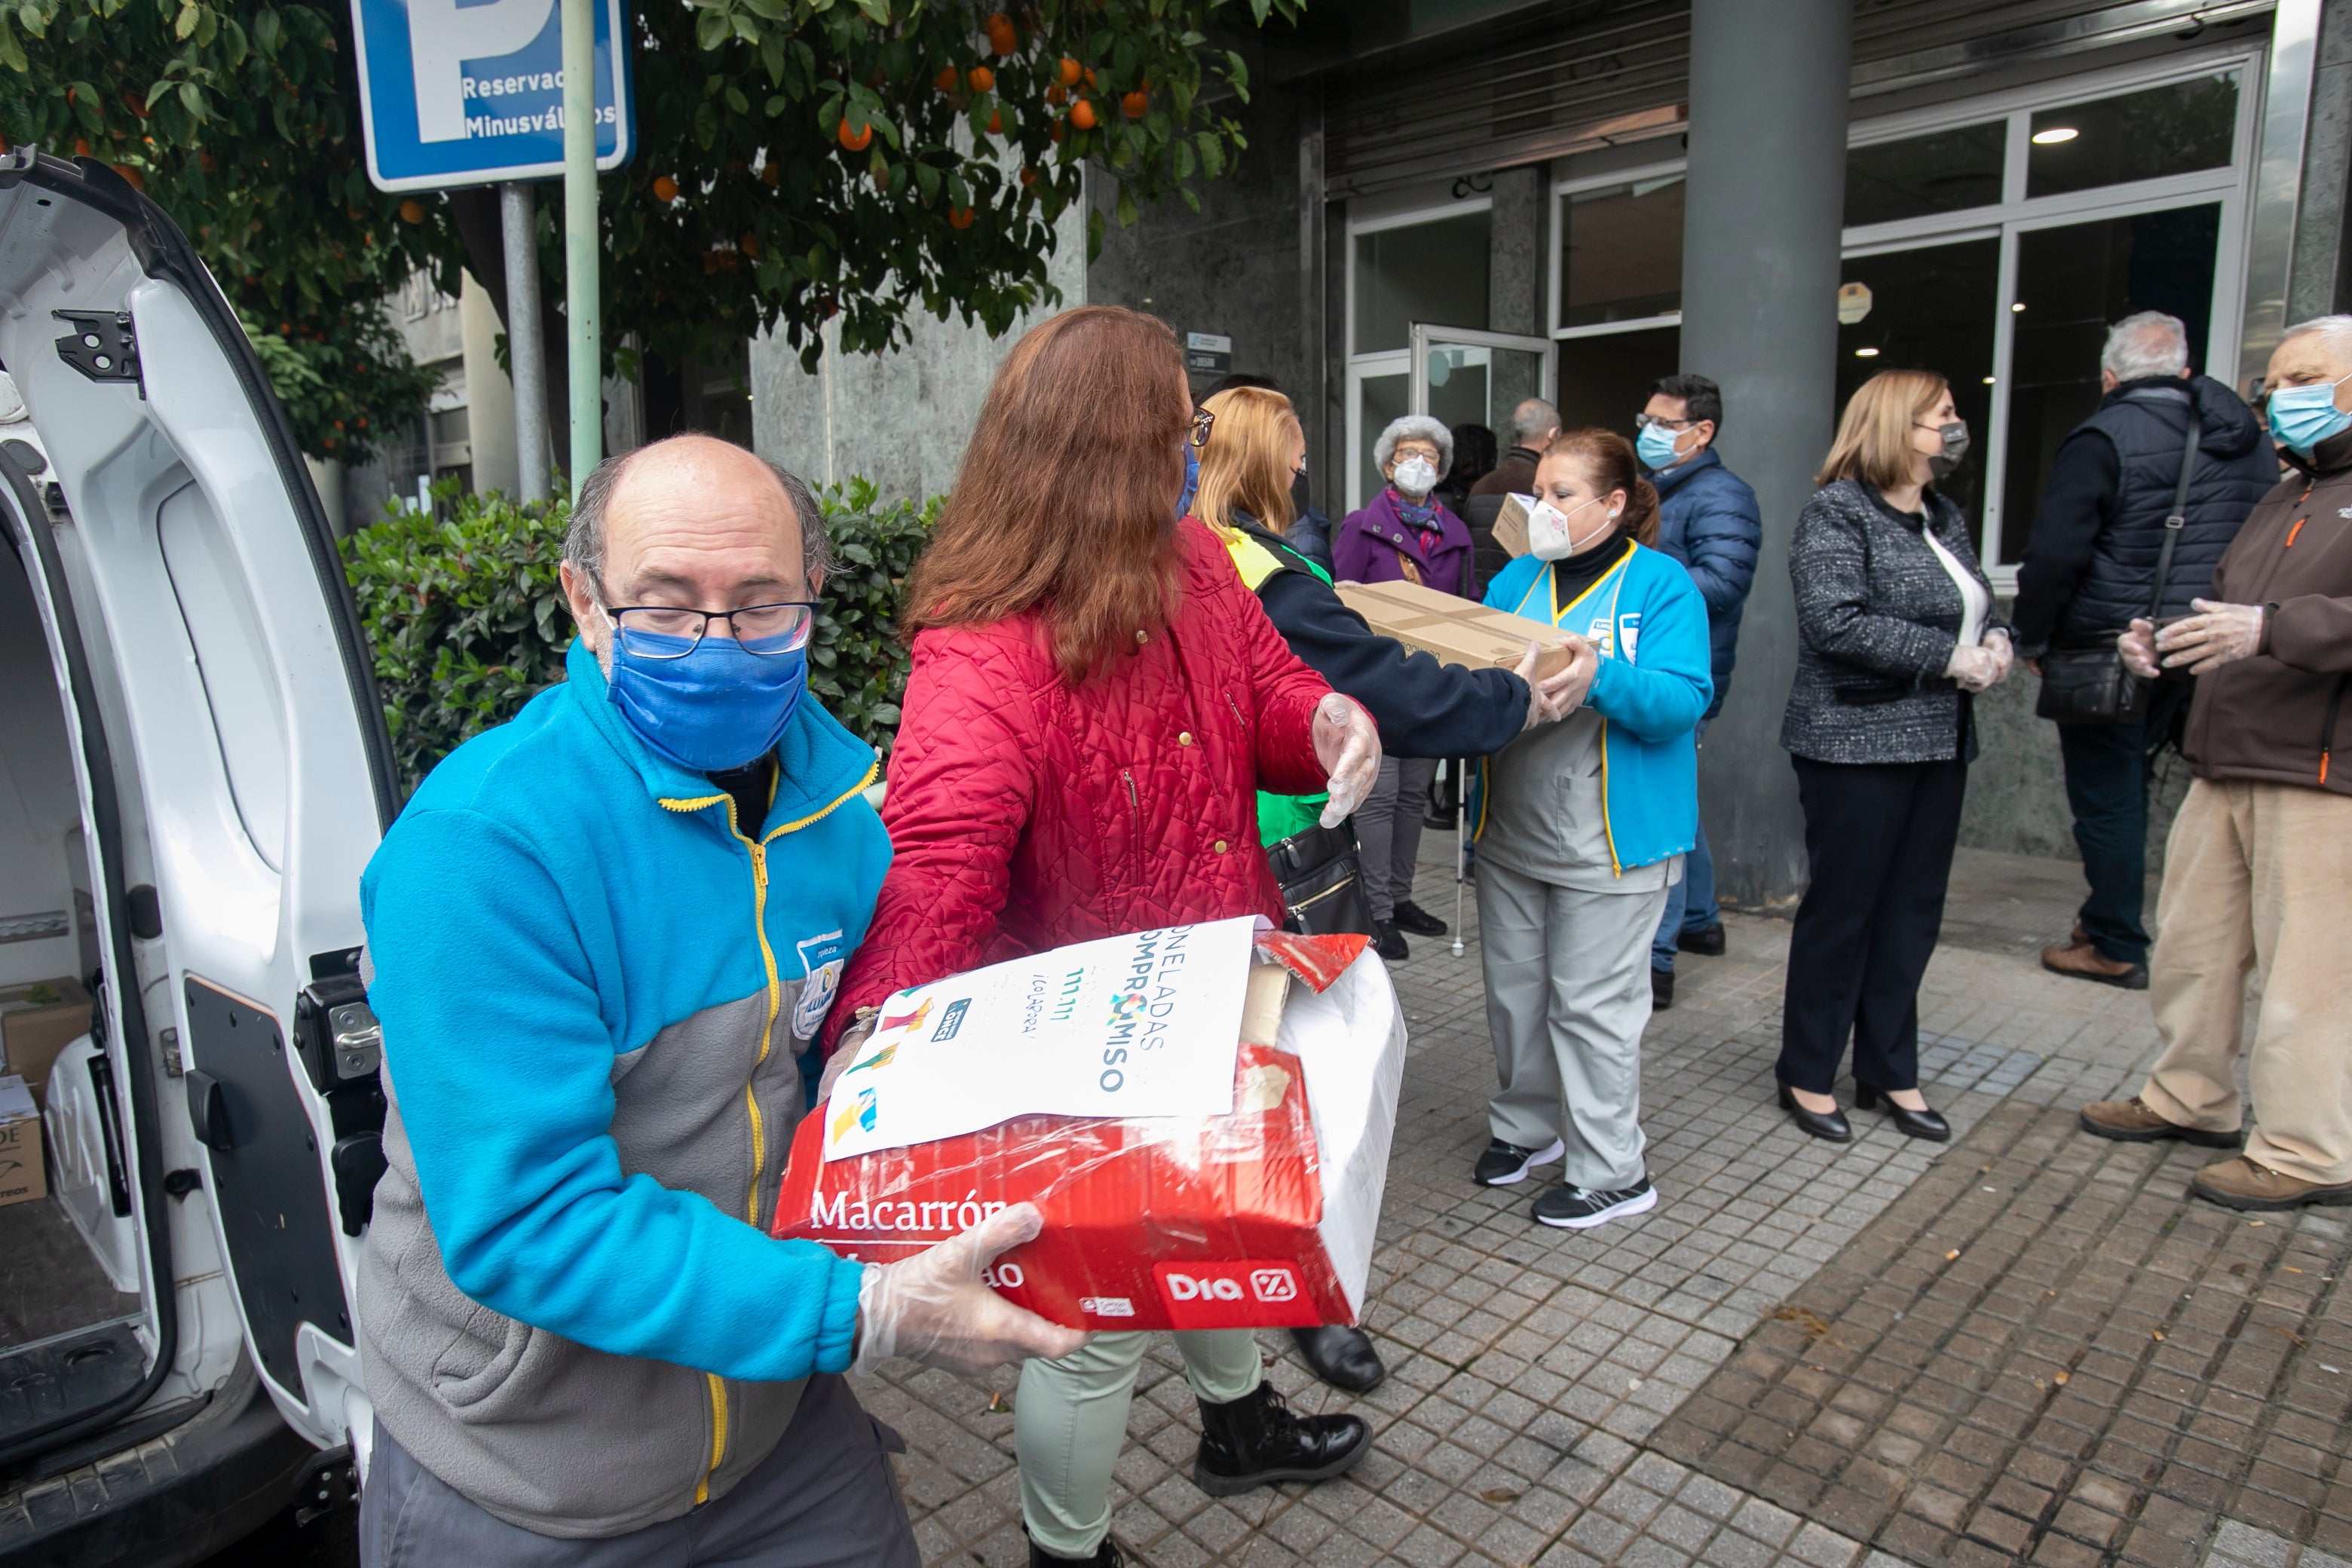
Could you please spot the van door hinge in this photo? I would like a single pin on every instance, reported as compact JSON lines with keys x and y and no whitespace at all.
{"x":103,"y":345}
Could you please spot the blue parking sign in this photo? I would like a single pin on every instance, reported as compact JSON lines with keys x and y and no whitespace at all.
{"x":455,"y":94}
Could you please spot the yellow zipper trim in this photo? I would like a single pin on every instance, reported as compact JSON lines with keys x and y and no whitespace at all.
{"x":1608,"y":833}
{"x":759,"y":852}
{"x":718,"y":1437}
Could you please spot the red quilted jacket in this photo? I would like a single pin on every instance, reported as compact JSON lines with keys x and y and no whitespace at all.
{"x":1024,"y":813}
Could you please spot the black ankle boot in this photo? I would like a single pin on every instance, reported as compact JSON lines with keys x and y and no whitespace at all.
{"x":1344,"y":1358}
{"x":1107,"y":1555}
{"x":1256,"y":1441}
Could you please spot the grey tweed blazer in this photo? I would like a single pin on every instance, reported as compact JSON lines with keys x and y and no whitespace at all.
{"x":1877,"y":618}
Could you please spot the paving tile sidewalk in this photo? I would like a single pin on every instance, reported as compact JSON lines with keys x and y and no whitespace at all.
{"x":1531,"y":1370}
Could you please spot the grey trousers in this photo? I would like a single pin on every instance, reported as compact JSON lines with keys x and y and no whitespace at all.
{"x":827,"y":1497}
{"x":1567,"y":996}
{"x":1388,"y":830}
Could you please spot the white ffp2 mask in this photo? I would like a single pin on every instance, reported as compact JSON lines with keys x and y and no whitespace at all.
{"x":1551,"y":537}
{"x":1416,"y":477}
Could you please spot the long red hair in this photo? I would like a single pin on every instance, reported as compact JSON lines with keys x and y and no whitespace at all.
{"x":1067,"y":498}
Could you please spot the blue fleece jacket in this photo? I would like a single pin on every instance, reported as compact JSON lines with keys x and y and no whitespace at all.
{"x":555,"y":897}
{"x":1651,"y":625}
{"x":1708,"y":520}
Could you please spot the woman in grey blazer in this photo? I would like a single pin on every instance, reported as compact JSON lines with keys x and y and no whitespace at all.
{"x":1896,"y":634}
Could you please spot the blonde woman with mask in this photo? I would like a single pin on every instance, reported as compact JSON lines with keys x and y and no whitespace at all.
{"x":1581,"y":829}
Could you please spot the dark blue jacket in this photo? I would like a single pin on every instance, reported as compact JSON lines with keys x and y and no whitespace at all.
{"x":2090,"y":561}
{"x":1708,"y":520}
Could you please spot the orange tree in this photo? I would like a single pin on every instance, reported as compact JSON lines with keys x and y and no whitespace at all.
{"x":799,"y":161}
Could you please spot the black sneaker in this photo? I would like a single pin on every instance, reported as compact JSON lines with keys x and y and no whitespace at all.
{"x":1388,"y":943}
{"x":1662,"y":990}
{"x":1581,"y":1208}
{"x":1707,"y":941}
{"x":1506,"y":1165}
{"x":1411,"y":917}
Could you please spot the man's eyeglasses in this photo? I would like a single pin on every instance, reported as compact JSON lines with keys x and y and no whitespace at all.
{"x":1659,"y":421}
{"x":1201,"y":420}
{"x":665,"y":631}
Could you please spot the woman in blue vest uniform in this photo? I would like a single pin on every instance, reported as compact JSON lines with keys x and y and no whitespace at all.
{"x":1582,"y":826}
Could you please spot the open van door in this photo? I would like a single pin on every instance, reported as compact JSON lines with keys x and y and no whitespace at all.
{"x":237,"y":777}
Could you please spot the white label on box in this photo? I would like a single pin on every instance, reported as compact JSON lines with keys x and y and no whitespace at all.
{"x":1143,"y":1024}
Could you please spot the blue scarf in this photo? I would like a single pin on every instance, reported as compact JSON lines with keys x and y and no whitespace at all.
{"x":1421,"y":514}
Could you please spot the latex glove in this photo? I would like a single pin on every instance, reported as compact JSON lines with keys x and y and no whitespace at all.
{"x":2219,"y":635}
{"x":2138,"y":648}
{"x":1348,"y":746}
{"x":1545,"y":703}
{"x":2004,"y":653}
{"x":934,"y":1308}
{"x":845,"y":1051}
{"x":1973,"y":668}
{"x":1572,"y":685}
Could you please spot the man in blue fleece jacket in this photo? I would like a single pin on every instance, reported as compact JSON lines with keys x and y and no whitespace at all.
{"x":598,"y":938}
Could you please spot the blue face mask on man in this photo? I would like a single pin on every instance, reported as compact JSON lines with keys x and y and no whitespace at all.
{"x":715,"y":707}
{"x":1655,"y":446}
{"x":2301,"y":417}
{"x":1191,"y":482}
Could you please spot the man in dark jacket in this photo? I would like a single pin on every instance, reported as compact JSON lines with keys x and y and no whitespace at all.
{"x":1533,"y":424}
{"x":1708,"y":520}
{"x":2090,"y":568}
{"x":2258,"y":870}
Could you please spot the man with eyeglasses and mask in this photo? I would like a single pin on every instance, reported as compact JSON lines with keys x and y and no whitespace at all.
{"x":1708,"y":520}
{"x":598,"y":939}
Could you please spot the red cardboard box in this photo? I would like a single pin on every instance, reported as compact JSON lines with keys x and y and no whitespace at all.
{"x":1264,"y":1218}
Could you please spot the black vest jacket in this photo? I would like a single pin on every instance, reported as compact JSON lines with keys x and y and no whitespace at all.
{"x":2147,"y":422}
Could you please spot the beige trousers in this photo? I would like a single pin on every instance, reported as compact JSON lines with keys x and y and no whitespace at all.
{"x":2258,"y":877}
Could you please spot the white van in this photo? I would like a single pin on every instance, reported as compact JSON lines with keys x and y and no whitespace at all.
{"x":194,"y":771}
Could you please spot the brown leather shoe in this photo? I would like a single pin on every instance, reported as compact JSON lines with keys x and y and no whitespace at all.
{"x":2084,"y":961}
{"x":2244,"y":1183}
{"x":2131,"y":1122}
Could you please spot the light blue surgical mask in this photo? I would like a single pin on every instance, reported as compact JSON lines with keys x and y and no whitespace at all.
{"x":1655,"y":446}
{"x":2303,"y":416}
{"x":1191,"y":482}
{"x":717,"y":707}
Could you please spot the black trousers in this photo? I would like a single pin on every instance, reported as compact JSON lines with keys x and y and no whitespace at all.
{"x":1879,"y":837}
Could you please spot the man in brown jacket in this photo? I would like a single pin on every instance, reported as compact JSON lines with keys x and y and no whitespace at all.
{"x":2258,"y":870}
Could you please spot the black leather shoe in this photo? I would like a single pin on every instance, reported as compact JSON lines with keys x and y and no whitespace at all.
{"x":1107,"y":1555}
{"x":1256,"y":1441}
{"x":1388,"y":942}
{"x":1410,"y":916}
{"x":1342,"y":1357}
{"x":1910,"y":1124}
{"x":1662,"y":990}
{"x":1825,"y":1124}
{"x":1707,"y":941}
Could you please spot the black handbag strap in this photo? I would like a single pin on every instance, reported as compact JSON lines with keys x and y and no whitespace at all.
{"x":2177,"y":518}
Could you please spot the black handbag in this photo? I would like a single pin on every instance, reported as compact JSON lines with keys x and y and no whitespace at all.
{"x":2089,"y":685}
{"x":1322,"y":882}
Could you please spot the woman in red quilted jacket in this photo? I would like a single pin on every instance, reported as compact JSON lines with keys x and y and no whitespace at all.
{"x":1095,"y":702}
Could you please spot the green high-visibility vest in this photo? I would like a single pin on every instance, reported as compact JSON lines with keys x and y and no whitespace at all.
{"x":1278,"y":815}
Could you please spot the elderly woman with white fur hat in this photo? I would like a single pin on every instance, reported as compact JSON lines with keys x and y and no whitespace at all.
{"x":1405,"y":534}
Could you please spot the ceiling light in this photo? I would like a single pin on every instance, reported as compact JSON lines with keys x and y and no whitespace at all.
{"x":2055,"y":134}
{"x":1865,"y":354}
{"x":2019,"y":306}
{"x":1988,"y":380}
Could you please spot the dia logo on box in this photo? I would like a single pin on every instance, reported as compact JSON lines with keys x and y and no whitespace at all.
{"x":1242,"y":1293}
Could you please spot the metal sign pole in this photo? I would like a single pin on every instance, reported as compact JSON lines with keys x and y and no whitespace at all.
{"x":581,"y":283}
{"x":526,"y":344}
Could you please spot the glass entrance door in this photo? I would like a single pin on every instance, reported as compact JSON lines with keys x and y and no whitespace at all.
{"x":1464,"y":377}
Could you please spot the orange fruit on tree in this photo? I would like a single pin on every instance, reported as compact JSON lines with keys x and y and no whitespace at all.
{"x":946,"y":78}
{"x":1057,"y":96}
{"x":981,"y":78}
{"x":996,"y":124}
{"x":131,"y":176}
{"x":1090,"y":76}
{"x":1082,"y":115}
{"x":664,"y":190}
{"x":1001,"y":36}
{"x":411,"y":211}
{"x":959,"y":218}
{"x":1134,"y":104}
{"x":748,"y":244}
{"x":1054,"y":131}
{"x":1028,"y":175}
{"x":1071,"y":71}
{"x":857,"y":141}
{"x":771,"y":171}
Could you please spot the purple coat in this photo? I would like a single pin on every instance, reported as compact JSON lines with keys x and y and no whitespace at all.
{"x":1371,"y":546}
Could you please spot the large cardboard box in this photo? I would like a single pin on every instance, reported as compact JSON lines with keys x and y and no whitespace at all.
{"x":1511,"y":523}
{"x":1454,"y":630}
{"x":1262,"y":1217}
{"x":21,"y":1175}
{"x":37,"y":1022}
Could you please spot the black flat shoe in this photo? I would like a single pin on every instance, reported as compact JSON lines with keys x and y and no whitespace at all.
{"x":1342,"y":1357}
{"x":1830,"y":1125}
{"x":1707,"y":940}
{"x":1389,"y":943}
{"x":1410,"y":916}
{"x":1662,"y":990}
{"x":1910,"y":1124}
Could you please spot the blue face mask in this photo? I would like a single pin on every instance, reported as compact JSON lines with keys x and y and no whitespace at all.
{"x":1655,"y":446}
{"x":717,"y":708}
{"x":2304,"y":416}
{"x":1192,"y":481}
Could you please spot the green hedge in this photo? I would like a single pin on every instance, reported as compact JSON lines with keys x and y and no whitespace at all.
{"x":468,"y":622}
